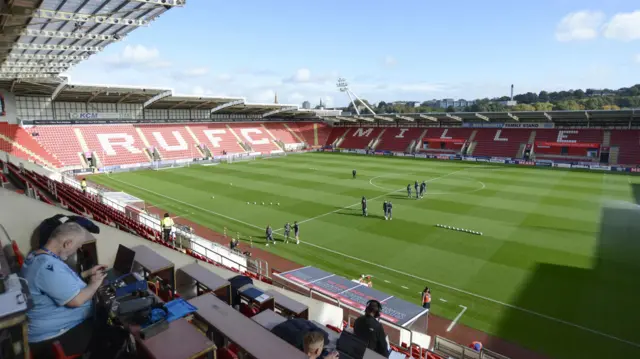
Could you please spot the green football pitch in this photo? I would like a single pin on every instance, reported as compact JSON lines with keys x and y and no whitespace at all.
{"x":556,"y":269}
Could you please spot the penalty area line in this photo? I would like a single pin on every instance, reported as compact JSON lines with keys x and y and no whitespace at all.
{"x":453,"y":323}
{"x":478,"y":296}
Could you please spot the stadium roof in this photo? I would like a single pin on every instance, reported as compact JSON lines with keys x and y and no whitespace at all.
{"x":42,"y":39}
{"x":516,"y":116}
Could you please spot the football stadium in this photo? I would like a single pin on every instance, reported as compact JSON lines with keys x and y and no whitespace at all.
{"x":240,"y":230}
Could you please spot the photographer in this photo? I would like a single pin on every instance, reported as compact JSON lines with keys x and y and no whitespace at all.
{"x":62,"y":300}
{"x":368,"y":329}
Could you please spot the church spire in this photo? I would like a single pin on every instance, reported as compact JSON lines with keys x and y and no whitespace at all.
{"x":275,"y":99}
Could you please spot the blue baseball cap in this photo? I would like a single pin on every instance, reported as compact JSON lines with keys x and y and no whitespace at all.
{"x":50,"y":224}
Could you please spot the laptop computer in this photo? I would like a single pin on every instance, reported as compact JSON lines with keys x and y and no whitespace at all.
{"x":122,"y":265}
{"x":350,"y":347}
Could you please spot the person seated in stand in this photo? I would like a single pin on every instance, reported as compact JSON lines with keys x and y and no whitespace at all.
{"x":368,"y":329}
{"x":313,"y":345}
{"x":62,"y":301}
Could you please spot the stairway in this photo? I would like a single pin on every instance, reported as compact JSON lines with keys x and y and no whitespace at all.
{"x":471,"y":147}
{"x":195,"y":140}
{"x":473,"y":136}
{"x":28,"y":151}
{"x":532,"y":138}
{"x":338,"y":142}
{"x":614,"y":152}
{"x":376,"y":141}
{"x":523,"y":147}
{"x":295,"y":134}
{"x":606,"y":139}
{"x":416,"y":144}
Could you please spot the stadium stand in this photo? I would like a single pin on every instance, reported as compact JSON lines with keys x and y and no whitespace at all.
{"x":14,"y":139}
{"x":500,"y":142}
{"x":398,"y":139}
{"x":257,"y":137}
{"x":360,"y":137}
{"x":337,"y":133}
{"x":114,"y":144}
{"x":281,"y":132}
{"x":171,"y":141}
{"x":628,"y":143}
{"x":68,"y":151}
{"x":217,"y":138}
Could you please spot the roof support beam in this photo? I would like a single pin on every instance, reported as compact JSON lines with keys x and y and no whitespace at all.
{"x":165,"y":3}
{"x":178,"y":104}
{"x":453,"y":117}
{"x":93,"y":96}
{"x":62,"y":35}
{"x":157,"y":97}
{"x":513,"y":117}
{"x":410,"y":119}
{"x":49,"y":47}
{"x":283,"y":109}
{"x":368,"y":119}
{"x":200,"y":105}
{"x":121,"y":100}
{"x":587,"y":115}
{"x":59,"y":88}
{"x":482,"y":117}
{"x":430,"y":118}
{"x":76,"y":17}
{"x":227,"y":104}
{"x":347,"y":119}
{"x":34,"y":64}
{"x":329,"y":119}
{"x":13,"y":84}
{"x":549,"y":118}
{"x":48,"y":57}
{"x":33,"y":70}
{"x":7,"y":76}
{"x":383,"y":118}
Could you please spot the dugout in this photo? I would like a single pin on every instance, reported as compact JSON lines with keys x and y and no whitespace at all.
{"x":404,"y":322}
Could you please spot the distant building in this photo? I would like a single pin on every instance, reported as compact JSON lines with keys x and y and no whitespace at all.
{"x":449,"y":102}
{"x":407,"y":103}
{"x":306,"y":105}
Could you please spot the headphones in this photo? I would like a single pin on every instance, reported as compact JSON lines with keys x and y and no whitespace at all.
{"x":374,"y":306}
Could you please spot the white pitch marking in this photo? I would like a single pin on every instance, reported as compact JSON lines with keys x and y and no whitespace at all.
{"x":386,"y":281}
{"x":404,"y":287}
{"x":528,"y":311}
{"x":455,"y":320}
{"x":443,"y":300}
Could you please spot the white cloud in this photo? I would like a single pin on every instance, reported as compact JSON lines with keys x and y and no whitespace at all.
{"x":196,"y":72}
{"x":138,"y":56}
{"x":623,"y":26}
{"x":580,"y":25}
{"x":390,"y":61}
{"x":301,"y":75}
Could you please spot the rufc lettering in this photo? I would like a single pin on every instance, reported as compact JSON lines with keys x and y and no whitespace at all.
{"x":181,"y":146}
{"x":215,"y":141}
{"x":361,"y":132}
{"x":246,"y":134}
{"x":562,"y":136}
{"x":402,"y":131}
{"x":109,"y":140}
{"x":498,"y":138}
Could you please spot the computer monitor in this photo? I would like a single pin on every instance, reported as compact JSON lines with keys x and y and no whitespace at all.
{"x":351,"y":346}
{"x":124,"y":260}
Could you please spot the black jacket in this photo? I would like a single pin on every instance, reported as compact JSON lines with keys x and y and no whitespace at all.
{"x":370,"y":331}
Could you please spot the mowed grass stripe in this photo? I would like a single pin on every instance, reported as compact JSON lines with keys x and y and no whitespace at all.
{"x":490,"y":254}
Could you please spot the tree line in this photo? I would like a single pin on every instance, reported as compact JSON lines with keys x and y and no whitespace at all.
{"x":572,"y":100}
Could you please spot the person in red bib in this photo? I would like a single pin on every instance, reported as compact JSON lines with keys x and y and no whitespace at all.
{"x":426,"y":298}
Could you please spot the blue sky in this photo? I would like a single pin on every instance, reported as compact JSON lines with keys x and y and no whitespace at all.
{"x":387,"y":50}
